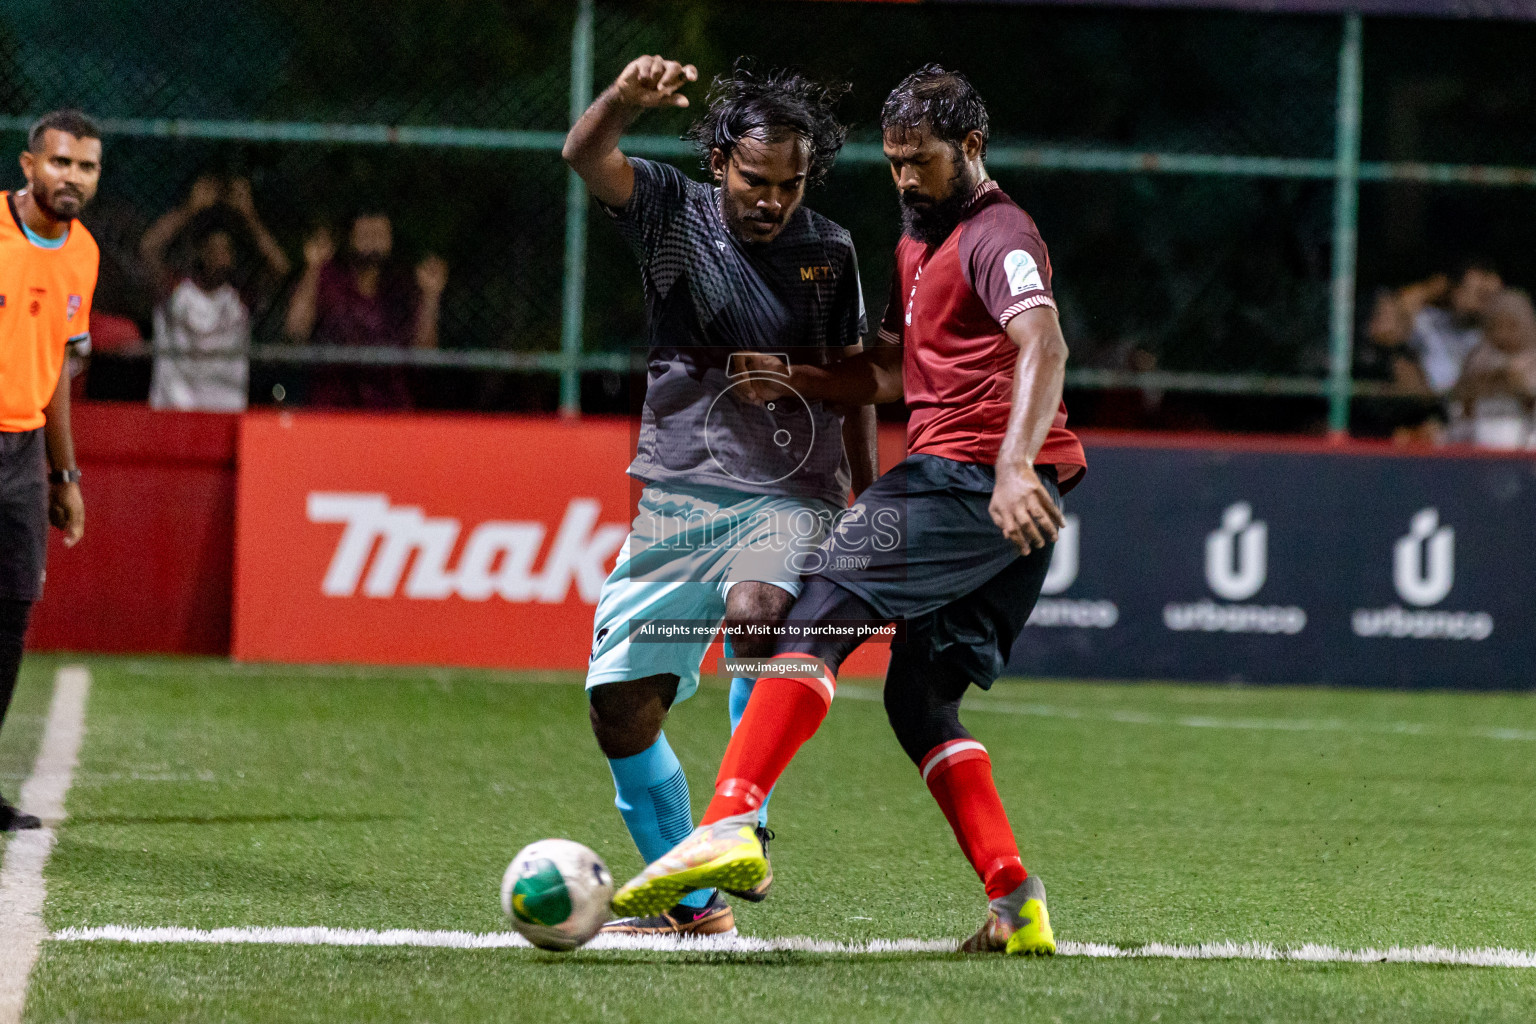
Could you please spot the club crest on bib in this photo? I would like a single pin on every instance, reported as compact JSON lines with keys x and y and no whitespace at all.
{"x":72,"y":307}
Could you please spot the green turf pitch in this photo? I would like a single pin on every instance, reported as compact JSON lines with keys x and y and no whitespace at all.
{"x":212,"y":796}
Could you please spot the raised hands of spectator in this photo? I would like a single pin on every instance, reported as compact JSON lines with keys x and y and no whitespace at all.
{"x":239,"y":197}
{"x":207,"y":191}
{"x":432,"y":276}
{"x":655,"y":81}
{"x":319,"y":248}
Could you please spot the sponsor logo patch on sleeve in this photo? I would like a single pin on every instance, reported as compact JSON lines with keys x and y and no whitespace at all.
{"x":1023,"y":273}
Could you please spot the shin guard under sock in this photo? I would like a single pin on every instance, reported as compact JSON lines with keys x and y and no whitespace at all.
{"x":651,"y":793}
{"x":783,"y":713}
{"x":741,"y":692}
{"x":959,"y":775}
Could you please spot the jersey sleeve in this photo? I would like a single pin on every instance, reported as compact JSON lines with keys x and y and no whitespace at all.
{"x":661,"y":191}
{"x":848,"y":318}
{"x":892,"y":323}
{"x":80,"y":326}
{"x":78,"y":331}
{"x":1006,"y":263}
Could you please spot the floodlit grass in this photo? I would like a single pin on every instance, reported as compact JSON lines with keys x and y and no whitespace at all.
{"x":24,"y":727}
{"x":210,"y":795}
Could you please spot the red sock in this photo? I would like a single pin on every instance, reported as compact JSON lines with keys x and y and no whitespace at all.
{"x":783,"y":713}
{"x":959,"y":774}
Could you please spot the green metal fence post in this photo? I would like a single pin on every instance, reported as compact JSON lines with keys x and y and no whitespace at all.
{"x":1346,"y":203}
{"x":575,"y":283}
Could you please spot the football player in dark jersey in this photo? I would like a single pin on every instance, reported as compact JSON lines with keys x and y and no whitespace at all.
{"x":954,"y":542}
{"x":736,"y":494}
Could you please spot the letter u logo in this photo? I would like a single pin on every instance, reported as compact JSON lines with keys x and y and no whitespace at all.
{"x":1236,"y":556}
{"x":1424,"y":561}
{"x":1063,"y":571}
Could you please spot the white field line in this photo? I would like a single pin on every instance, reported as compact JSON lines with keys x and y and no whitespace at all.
{"x":1337,"y":725}
{"x":1310,"y":953}
{"x":21,"y":877}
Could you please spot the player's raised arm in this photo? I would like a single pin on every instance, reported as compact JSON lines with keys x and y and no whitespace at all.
{"x":592,"y":147}
{"x":1021,"y":506}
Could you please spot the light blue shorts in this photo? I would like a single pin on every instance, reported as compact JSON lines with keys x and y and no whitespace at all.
{"x":685,"y":550}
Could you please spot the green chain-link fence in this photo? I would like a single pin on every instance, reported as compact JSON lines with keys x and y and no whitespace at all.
{"x":1195,"y":173}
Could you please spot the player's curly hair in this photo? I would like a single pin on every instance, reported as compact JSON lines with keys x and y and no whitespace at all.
{"x":772,"y":106}
{"x":942,"y":102}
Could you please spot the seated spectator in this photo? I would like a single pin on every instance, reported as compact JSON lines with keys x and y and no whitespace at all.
{"x":364,"y":299}
{"x":1446,"y":320}
{"x":1405,"y":408}
{"x":1497,"y":390}
{"x":202,"y":325}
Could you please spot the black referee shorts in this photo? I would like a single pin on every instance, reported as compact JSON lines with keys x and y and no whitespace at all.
{"x":23,"y":515}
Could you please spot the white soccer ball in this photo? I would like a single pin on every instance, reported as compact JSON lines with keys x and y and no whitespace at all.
{"x":556,"y":894}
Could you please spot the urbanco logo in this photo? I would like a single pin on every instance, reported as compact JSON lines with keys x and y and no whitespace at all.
{"x":1423,"y":573}
{"x":1069,"y":612}
{"x":1236,"y":568}
{"x":1424,"y":561}
{"x":497,"y":559}
{"x":1063,"y":571}
{"x":1237,"y":555}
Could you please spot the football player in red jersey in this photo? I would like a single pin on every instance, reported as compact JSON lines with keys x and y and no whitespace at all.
{"x":954,"y":542}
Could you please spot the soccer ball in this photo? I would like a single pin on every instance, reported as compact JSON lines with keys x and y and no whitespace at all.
{"x":556,"y":893}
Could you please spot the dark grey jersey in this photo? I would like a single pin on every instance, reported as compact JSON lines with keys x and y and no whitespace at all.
{"x":708,"y":294}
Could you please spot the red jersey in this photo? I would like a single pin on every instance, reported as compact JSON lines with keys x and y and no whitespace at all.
{"x":948,"y":307}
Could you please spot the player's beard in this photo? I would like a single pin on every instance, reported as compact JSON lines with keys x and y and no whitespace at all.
{"x":933,"y":223}
{"x":63,"y":204}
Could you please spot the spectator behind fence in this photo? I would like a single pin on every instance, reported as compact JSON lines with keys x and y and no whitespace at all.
{"x":202,"y":324}
{"x":1447,"y":320}
{"x":365,"y":299}
{"x":1408,"y":411}
{"x":1497,"y":391}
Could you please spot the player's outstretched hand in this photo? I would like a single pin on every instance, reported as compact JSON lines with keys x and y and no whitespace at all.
{"x":1022,"y":508}
{"x":763,"y":377}
{"x":655,"y":81}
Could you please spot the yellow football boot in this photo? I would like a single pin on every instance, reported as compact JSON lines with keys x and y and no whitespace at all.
{"x":724,"y":855}
{"x":1017,"y":924}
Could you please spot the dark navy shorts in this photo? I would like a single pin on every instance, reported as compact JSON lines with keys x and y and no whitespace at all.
{"x":919,"y":547}
{"x":23,"y":515}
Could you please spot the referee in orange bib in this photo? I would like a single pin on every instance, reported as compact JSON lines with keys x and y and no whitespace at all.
{"x":47,"y":276}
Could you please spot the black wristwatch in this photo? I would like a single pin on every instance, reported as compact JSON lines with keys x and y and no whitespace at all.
{"x":64,"y":476}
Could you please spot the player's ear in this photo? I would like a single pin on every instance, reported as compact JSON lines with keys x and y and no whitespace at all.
{"x":971,"y":147}
{"x":26,"y":163}
{"x":717,"y":162}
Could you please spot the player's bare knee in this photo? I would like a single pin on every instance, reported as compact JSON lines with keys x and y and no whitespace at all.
{"x":754,"y":603}
{"x":627,"y":716}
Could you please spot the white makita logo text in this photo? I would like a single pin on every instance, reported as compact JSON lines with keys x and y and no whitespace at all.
{"x":381,"y":540}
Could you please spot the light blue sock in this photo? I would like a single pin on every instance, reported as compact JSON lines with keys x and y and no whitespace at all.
{"x":741,"y":692}
{"x":651,"y":794}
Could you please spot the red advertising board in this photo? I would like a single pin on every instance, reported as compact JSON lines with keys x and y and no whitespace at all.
{"x":425,"y":540}
{"x":153,"y":571}
{"x":430,"y":540}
